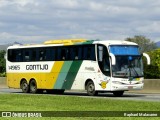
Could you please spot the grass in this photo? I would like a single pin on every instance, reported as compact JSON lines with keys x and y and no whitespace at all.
{"x":43,"y":102}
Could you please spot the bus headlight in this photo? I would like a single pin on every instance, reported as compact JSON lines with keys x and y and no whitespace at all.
{"x":140,"y":82}
{"x":116,"y":82}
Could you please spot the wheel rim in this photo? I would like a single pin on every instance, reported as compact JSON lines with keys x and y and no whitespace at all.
{"x":24,"y":87}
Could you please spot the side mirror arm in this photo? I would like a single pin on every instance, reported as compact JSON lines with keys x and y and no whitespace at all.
{"x":148,"y":58}
{"x":113,"y":58}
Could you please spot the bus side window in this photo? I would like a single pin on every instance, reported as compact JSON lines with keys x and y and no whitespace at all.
{"x":93,"y":56}
{"x":11,"y":56}
{"x":50,"y":54}
{"x":18,"y":56}
{"x":89,"y":52}
{"x":75,"y":53}
{"x":42,"y":54}
{"x":72,"y":53}
{"x":76,"y":56}
{"x":53,"y":54}
{"x":79,"y":52}
{"x":26,"y":55}
{"x":58,"y":52}
{"x":85,"y":53}
{"x":63,"y":54}
{"x":34,"y":55}
{"x":15,"y":55}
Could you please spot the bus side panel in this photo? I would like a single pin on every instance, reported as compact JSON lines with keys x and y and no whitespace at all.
{"x":12,"y":80}
{"x":72,"y":73}
{"x":67,"y":74}
{"x":61,"y":78}
{"x":87,"y":71}
{"x":45,"y":79}
{"x":52,"y":76}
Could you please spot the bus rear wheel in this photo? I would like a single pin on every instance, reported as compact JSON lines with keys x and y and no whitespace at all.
{"x":91,"y":89}
{"x":118,"y":93}
{"x":24,"y":86}
{"x":33,"y":86}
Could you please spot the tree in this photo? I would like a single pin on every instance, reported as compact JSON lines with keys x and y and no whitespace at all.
{"x":153,"y":71}
{"x":2,"y":61}
{"x":145,"y":43}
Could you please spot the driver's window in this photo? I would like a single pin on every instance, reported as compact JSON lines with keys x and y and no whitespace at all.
{"x":103,"y":59}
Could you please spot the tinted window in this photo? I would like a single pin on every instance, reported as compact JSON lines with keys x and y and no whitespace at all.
{"x":89,"y":52}
{"x":26,"y":55}
{"x":64,"y":53}
{"x":50,"y":54}
{"x":103,"y":60}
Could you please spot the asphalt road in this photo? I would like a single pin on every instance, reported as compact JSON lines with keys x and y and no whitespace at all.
{"x":126,"y":96}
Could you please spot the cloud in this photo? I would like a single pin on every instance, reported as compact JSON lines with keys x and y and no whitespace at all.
{"x":39,"y":20}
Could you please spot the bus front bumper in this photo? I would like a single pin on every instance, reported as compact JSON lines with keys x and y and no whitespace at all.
{"x":116,"y":87}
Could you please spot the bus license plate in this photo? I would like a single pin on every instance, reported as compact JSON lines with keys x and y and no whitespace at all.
{"x":130,"y":87}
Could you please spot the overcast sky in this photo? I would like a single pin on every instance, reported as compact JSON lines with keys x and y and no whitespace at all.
{"x":35,"y":21}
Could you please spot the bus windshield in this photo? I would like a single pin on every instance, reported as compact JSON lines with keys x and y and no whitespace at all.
{"x":124,"y":49}
{"x":128,"y":66}
{"x":128,"y":61}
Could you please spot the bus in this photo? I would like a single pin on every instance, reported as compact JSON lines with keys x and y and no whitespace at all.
{"x":76,"y":64}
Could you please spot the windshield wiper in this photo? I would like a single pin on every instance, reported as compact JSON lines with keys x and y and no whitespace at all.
{"x":131,"y":68}
{"x":135,"y":72}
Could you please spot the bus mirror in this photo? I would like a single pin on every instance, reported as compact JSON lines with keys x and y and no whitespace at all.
{"x":148,"y":58}
{"x":100,"y":48}
{"x":113,"y":58}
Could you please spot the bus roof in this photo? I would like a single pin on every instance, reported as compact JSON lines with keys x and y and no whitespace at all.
{"x":65,"y":42}
{"x":115,"y":42}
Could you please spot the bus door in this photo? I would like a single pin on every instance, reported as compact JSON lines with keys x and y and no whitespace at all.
{"x":104,"y":65}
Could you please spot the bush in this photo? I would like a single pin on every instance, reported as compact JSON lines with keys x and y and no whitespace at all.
{"x":3,"y":74}
{"x":2,"y":62}
{"x":153,"y":71}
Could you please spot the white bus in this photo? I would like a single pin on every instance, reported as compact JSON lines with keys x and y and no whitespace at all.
{"x":91,"y":65}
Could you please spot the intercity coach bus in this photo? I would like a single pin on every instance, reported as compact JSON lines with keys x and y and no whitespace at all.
{"x":76,"y":64}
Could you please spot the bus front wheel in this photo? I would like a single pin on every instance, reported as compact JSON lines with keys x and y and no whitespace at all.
{"x":24,"y":86}
{"x":118,"y":93}
{"x":91,"y":89}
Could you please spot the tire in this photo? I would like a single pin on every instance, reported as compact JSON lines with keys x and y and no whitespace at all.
{"x":118,"y":93}
{"x":24,"y":86}
{"x":91,"y":89}
{"x":33,"y":86}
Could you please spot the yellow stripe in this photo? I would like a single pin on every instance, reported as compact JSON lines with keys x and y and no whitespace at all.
{"x":44,"y":80}
{"x":65,"y":42}
{"x":52,"y":77}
